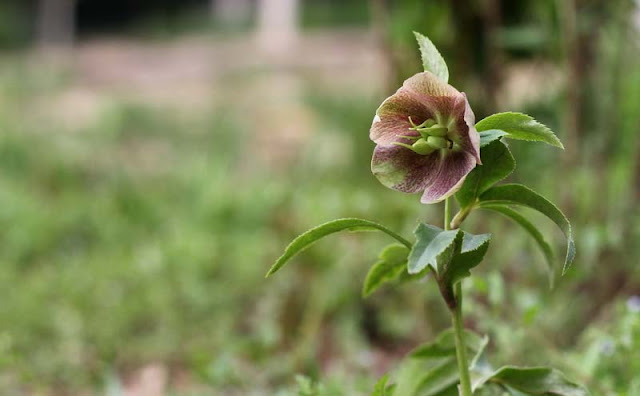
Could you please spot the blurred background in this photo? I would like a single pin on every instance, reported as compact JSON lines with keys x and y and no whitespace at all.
{"x":157,"y":156}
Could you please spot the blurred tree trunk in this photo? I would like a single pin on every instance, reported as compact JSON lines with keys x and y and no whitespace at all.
{"x":56,"y":23}
{"x":380,"y":14}
{"x":230,"y":13}
{"x":468,"y":29}
{"x":277,"y":25}
{"x":493,"y":55}
{"x":578,"y":48}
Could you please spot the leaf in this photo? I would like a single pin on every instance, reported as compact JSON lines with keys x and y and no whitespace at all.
{"x":520,"y":127}
{"x":474,"y":247}
{"x":490,"y":135}
{"x":392,"y":262}
{"x":432,"y":368}
{"x":445,"y":345}
{"x":381,"y":388}
{"x":497,"y":163}
{"x":418,"y":377}
{"x":434,"y":247}
{"x":306,"y":387}
{"x":535,"y":381}
{"x":431,"y":59}
{"x":491,"y":390}
{"x":306,"y":239}
{"x":517,"y":194}
{"x":531,"y":229}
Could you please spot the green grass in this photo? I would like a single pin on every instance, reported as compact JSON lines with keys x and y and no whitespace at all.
{"x":145,"y":236}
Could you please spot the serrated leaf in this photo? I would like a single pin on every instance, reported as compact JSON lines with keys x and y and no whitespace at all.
{"x":531,"y":229}
{"x":535,"y":381}
{"x":497,"y":164}
{"x":520,"y":127}
{"x":517,"y":194}
{"x":306,"y":239}
{"x":434,"y":247}
{"x":490,"y":135}
{"x":391,"y":263}
{"x":432,"y":61}
{"x":474,"y":247}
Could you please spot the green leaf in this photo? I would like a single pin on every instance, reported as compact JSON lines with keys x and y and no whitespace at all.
{"x":434,"y":247}
{"x":534,"y":381}
{"x":490,"y":135}
{"x":431,"y":59}
{"x":474,"y":247}
{"x":517,"y":194}
{"x":419,"y":377}
{"x":520,"y":127}
{"x":497,"y":163}
{"x":381,"y":388}
{"x":444,"y":345}
{"x":392,"y":262}
{"x":492,"y":390}
{"x":432,"y":370}
{"x":306,"y":387}
{"x":531,"y":229}
{"x":305,"y":240}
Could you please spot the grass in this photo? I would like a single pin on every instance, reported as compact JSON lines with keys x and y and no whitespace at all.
{"x":144,"y":236}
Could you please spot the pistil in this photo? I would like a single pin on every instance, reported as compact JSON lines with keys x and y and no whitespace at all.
{"x":433,"y":136}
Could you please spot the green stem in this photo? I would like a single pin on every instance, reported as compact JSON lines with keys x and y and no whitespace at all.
{"x":447,"y":215}
{"x":461,"y":349}
{"x":458,"y":326}
{"x":461,"y":216}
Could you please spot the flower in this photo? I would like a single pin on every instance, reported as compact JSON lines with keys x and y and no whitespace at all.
{"x":425,"y":139}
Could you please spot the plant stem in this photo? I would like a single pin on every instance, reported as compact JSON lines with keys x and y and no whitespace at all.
{"x":458,"y":326}
{"x":461,"y":349}
{"x":447,"y":215}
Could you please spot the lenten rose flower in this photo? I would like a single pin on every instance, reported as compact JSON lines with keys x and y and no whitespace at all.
{"x":425,"y":139}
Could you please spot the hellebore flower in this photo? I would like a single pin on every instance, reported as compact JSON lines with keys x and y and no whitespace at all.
{"x":425,"y":139}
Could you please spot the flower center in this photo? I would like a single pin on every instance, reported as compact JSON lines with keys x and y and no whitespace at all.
{"x":432,"y":136}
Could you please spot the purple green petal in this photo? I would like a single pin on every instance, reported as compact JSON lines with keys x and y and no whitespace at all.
{"x":453,"y":169}
{"x":403,"y":170}
{"x":392,"y":117}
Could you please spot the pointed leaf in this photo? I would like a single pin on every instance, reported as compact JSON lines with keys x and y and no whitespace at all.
{"x":431,"y":59}
{"x":381,"y":388}
{"x":392,"y":262}
{"x":434,"y":247}
{"x":517,"y":194}
{"x":490,"y":135}
{"x":497,"y":163}
{"x":306,"y":239}
{"x":520,"y":127}
{"x":535,"y":381}
{"x":474,"y":247}
{"x":531,"y":229}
